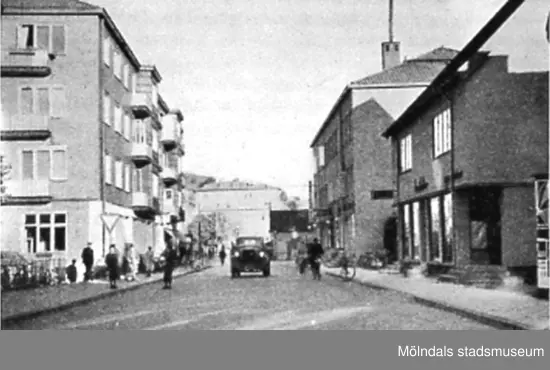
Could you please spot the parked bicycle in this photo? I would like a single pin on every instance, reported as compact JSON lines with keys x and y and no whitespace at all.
{"x":346,"y":262}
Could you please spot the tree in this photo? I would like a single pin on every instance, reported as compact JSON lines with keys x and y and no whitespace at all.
{"x":5,"y":174}
{"x":212,"y":225}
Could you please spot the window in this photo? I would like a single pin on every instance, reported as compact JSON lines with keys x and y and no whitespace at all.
{"x":127,"y":126}
{"x":117,"y":64}
{"x":319,"y":153}
{"x":407,"y":245}
{"x":42,"y":100}
{"x":155,"y":144}
{"x":107,"y":103}
{"x":417,"y":230}
{"x":447,"y":228}
{"x":46,"y":37}
{"x":436,"y":237}
{"x":46,"y":233}
{"x":48,"y":163}
{"x":442,"y":133}
{"x":405,"y":153}
{"x":138,"y":180}
{"x":155,"y":93}
{"x":126,"y":75}
{"x":155,"y":185}
{"x":134,"y":82}
{"x":118,"y":118}
{"x":108,"y":167}
{"x":127,"y":178}
{"x":168,"y":194}
{"x":139,"y":131}
{"x":107,"y":51}
{"x":381,"y":194}
{"x":119,"y":183}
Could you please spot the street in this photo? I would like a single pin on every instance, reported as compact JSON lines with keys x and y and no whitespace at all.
{"x":211,"y":300}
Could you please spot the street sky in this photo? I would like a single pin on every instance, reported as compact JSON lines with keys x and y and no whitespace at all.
{"x":256,"y":79}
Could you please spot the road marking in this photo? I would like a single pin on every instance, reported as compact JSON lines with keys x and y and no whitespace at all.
{"x":125,"y":316}
{"x":186,"y":321}
{"x":321,"y":317}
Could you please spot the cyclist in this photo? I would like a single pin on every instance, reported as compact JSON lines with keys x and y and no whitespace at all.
{"x":314,"y":252}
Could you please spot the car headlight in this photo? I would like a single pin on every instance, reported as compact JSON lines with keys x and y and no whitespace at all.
{"x":236,"y":254}
{"x":262,"y":254}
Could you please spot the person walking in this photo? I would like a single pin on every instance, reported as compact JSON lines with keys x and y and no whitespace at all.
{"x":88,"y":261}
{"x":222,"y":255}
{"x":149,"y":260}
{"x":111,"y":260}
{"x":170,"y":256}
{"x":72,"y":272}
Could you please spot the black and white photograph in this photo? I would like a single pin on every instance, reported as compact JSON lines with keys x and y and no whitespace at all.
{"x":275,"y":165}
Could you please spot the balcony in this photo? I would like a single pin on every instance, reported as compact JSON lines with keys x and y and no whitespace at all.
{"x":168,"y":176}
{"x":140,"y":104}
{"x":144,"y":205}
{"x":21,"y":192}
{"x":25,"y":63}
{"x":170,"y":136}
{"x":25,"y":127}
{"x":142,"y":154}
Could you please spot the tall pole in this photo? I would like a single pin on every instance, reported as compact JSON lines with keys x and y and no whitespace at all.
{"x":390,"y":19}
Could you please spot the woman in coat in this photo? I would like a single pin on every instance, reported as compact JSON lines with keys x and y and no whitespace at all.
{"x":111,"y":260}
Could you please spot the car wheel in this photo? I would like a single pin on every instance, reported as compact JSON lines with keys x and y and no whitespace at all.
{"x":267,"y":271}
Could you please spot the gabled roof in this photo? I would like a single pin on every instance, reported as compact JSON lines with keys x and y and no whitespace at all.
{"x":49,"y":4}
{"x":420,"y":70}
{"x":448,"y":74}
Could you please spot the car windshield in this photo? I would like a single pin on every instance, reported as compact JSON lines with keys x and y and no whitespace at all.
{"x":249,"y":242}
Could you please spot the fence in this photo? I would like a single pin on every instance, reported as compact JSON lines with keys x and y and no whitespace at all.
{"x":42,"y":271}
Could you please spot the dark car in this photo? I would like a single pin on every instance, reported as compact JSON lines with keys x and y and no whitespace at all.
{"x":250,"y":255}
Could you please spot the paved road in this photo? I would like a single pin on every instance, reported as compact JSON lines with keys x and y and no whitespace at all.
{"x":284,"y":301}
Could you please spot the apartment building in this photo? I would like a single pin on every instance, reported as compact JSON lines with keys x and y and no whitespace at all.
{"x":245,"y":205}
{"x":465,"y":156}
{"x":90,"y":140}
{"x":352,"y":186}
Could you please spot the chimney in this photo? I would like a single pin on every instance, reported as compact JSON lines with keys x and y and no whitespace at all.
{"x":391,"y":53}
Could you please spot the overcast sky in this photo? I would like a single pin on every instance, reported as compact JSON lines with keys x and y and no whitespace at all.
{"x":256,"y":78}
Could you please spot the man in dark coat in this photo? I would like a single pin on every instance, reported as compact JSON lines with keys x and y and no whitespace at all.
{"x":111,"y":260}
{"x":88,"y":261}
{"x":71,"y":272}
{"x":171,"y":258}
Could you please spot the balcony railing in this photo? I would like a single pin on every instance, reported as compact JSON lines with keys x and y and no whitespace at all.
{"x":170,"y":132}
{"x":25,"y":63}
{"x":25,"y":127}
{"x":141,"y":104}
{"x":142,"y":154}
{"x":27,"y":192}
{"x":168,"y":176}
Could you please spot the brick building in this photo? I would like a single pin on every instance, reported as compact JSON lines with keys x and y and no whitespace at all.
{"x":352,"y":186}
{"x":90,"y":140}
{"x":465,"y":153}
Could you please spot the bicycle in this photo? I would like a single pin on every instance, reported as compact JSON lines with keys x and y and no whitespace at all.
{"x":315,"y":268}
{"x":347,"y":265}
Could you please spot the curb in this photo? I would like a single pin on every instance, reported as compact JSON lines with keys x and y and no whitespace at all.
{"x":487,"y":319}
{"x":108,"y":293}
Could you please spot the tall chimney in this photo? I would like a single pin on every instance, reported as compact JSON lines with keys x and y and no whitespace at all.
{"x":391,"y":54}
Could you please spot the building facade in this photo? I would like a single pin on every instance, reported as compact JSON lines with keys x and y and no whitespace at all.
{"x":245,"y":206}
{"x":465,"y":153}
{"x":352,"y":187}
{"x":85,"y":131}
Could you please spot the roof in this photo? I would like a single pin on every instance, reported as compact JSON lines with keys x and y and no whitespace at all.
{"x":153,"y":70}
{"x":195,"y":181}
{"x":420,"y":70}
{"x":69,"y":7}
{"x":50,"y":4}
{"x":237,"y":184}
{"x":443,"y":80}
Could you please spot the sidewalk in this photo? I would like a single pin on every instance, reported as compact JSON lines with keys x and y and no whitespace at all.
{"x":503,"y":309}
{"x":25,"y":304}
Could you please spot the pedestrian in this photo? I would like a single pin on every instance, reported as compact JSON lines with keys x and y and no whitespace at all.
{"x":88,"y":261}
{"x":72,"y":272}
{"x":149,"y":261}
{"x":133,"y":261}
{"x":181,"y":248}
{"x":111,"y":260}
{"x":222,"y":255}
{"x":170,"y":257}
